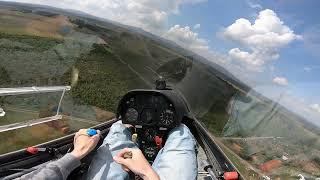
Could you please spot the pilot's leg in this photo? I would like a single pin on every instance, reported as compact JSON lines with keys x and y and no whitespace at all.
{"x":177,"y":159}
{"x":102,"y":165}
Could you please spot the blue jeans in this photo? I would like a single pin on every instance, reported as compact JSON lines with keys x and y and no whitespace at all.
{"x":176,"y":160}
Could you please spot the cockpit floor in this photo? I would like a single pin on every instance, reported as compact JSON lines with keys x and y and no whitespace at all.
{"x":202,"y":175}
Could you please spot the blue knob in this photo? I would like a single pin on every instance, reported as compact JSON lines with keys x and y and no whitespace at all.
{"x":91,"y":132}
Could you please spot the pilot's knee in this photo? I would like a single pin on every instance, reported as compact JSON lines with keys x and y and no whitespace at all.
{"x":118,"y":132}
{"x":182,"y":134}
{"x":180,"y":130}
{"x":184,"y":128}
{"x":117,"y":126}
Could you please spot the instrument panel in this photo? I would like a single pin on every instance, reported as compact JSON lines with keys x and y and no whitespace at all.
{"x":148,"y":110}
{"x":152,"y":114}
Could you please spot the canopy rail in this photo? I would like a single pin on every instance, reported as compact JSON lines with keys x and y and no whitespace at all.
{"x":33,"y":90}
{"x":29,"y":123}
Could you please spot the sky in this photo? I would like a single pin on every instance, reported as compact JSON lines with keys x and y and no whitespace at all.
{"x":271,"y":45}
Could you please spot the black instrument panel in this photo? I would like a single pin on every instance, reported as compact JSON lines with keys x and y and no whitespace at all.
{"x":148,"y":110}
{"x":153,"y":114}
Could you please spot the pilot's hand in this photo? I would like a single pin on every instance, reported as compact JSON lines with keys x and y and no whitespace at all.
{"x":138,"y":164}
{"x":84,"y":144}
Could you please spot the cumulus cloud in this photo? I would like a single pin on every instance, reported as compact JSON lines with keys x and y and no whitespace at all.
{"x":150,"y":15}
{"x":185,"y":37}
{"x":249,"y":58}
{"x":188,"y":39}
{"x":315,"y":107}
{"x":197,"y":26}
{"x":282,"y":81}
{"x":263,"y":38}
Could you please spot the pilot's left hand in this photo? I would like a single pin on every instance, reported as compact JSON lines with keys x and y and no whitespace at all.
{"x":84,"y":144}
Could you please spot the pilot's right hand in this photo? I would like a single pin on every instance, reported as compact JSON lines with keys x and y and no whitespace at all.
{"x":138,"y":164}
{"x":84,"y":144}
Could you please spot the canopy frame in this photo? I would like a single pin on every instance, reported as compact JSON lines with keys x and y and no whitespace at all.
{"x":33,"y":90}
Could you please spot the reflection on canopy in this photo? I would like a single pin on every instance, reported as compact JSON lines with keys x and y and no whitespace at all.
{"x":270,"y":137}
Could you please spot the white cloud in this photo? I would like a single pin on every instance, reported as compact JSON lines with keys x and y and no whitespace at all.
{"x":282,"y":81}
{"x":315,"y":107}
{"x":263,"y":38}
{"x":248,"y":58}
{"x":188,"y":39}
{"x":197,"y":26}
{"x":150,"y":15}
{"x":185,"y":37}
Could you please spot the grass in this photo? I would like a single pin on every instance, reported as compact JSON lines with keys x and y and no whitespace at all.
{"x":15,"y":22}
{"x":102,"y":80}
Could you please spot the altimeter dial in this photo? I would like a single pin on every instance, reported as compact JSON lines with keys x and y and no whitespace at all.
{"x":167,"y":117}
{"x":131,"y":115}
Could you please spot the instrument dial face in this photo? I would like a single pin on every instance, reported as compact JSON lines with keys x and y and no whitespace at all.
{"x":132,"y":115}
{"x":146,"y":116}
{"x":167,"y":117}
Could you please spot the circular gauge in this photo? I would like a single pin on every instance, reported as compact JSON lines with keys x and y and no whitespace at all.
{"x":131,"y":115}
{"x":166,"y":117}
{"x":146,"y":116}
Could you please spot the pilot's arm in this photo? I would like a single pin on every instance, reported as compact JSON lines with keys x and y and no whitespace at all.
{"x":60,"y":169}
